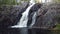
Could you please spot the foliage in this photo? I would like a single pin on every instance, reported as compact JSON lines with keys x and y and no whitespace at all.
{"x":57,"y":27}
{"x":8,"y":2}
{"x":57,"y":1}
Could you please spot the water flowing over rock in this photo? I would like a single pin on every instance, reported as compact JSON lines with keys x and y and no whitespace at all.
{"x":32,"y":12}
{"x":24,"y":19}
{"x":10,"y":15}
{"x":46,"y":17}
{"x":33,"y":19}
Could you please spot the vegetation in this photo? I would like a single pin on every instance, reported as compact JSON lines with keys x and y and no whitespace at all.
{"x":8,"y":2}
{"x":14,"y":2}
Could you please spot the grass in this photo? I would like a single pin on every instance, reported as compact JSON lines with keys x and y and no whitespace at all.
{"x":57,"y":27}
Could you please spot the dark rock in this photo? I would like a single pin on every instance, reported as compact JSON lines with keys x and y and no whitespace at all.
{"x":46,"y":16}
{"x":32,"y":11}
{"x":9,"y":15}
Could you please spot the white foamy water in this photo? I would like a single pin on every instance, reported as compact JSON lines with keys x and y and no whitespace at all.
{"x":33,"y":19}
{"x":24,"y":19}
{"x":32,"y":1}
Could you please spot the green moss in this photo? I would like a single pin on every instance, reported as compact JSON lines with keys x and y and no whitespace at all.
{"x":57,"y":27}
{"x":8,"y":2}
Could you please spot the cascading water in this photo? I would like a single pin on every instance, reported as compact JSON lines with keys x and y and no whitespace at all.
{"x":32,"y":1}
{"x":24,"y":19}
{"x":33,"y":19}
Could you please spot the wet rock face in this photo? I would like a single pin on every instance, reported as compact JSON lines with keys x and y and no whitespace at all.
{"x":10,"y":15}
{"x":48,"y":16}
{"x":32,"y":11}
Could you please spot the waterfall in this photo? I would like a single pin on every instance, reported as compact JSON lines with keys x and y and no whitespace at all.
{"x":32,"y":1}
{"x":33,"y":19}
{"x":24,"y":19}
